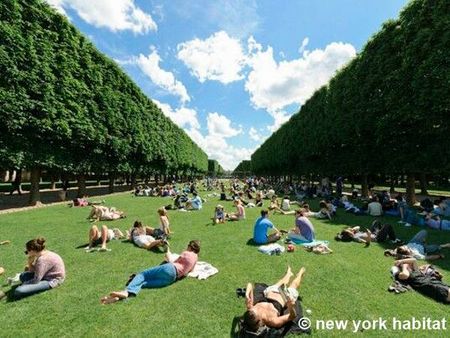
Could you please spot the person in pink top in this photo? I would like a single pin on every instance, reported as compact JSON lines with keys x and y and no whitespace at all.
{"x":240,"y":212}
{"x":160,"y":275}
{"x":45,"y":270}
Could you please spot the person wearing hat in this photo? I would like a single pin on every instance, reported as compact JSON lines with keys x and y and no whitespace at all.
{"x":219,"y":215}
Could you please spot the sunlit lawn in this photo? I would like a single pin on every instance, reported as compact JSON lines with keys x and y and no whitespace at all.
{"x":350,"y":284}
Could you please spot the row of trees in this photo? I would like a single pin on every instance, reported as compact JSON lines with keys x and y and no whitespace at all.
{"x":386,"y":112}
{"x":66,"y":107}
{"x":244,"y":168}
{"x":214,"y":168}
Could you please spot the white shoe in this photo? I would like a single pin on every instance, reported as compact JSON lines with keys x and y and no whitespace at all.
{"x":13,"y":280}
{"x":407,"y":225}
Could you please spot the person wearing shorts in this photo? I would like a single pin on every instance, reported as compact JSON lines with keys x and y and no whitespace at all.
{"x":97,"y":237}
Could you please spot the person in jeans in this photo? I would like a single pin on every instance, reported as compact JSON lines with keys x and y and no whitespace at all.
{"x":377,"y":233}
{"x":45,"y":270}
{"x":418,"y":248}
{"x":160,"y":275}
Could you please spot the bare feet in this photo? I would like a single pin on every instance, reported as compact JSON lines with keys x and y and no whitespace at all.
{"x":289,"y":272}
{"x":120,"y":294}
{"x":302,"y":271}
{"x":109,"y":300}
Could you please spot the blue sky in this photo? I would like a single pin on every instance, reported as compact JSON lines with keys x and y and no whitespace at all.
{"x":229,"y":72}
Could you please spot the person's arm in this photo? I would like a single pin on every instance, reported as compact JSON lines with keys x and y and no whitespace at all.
{"x":249,"y":296}
{"x":168,"y":256}
{"x":280,"y":321}
{"x":40,"y":269}
{"x":434,"y":257}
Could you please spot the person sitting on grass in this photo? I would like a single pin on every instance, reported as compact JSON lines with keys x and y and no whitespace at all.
{"x":269,"y":310}
{"x":418,"y":249}
{"x":164,"y":224}
{"x":195,"y":203}
{"x":260,"y":230}
{"x":422,"y":279}
{"x":375,"y":208}
{"x":304,"y":229}
{"x":97,"y":237}
{"x":324,"y":211}
{"x":159,"y":276}
{"x":259,"y":198}
{"x":239,"y":214}
{"x":219,"y":215}
{"x":101,"y":213}
{"x":144,"y":237}
{"x":286,"y":204}
{"x":45,"y":270}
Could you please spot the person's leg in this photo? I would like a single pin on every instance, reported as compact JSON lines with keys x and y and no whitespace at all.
{"x":155,"y":277}
{"x":25,"y":290}
{"x":104,"y":236}
{"x":385,"y":232}
{"x":390,"y":232}
{"x":94,"y":234}
{"x":153,"y":244}
{"x":298,"y":279}
{"x":273,"y":238}
{"x":286,"y":278}
{"x":420,"y":237}
{"x":26,"y":276}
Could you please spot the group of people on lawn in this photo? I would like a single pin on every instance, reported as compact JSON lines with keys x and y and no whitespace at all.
{"x":45,"y":269}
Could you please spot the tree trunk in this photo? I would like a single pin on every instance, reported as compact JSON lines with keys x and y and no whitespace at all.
{"x":133,"y":181}
{"x":81,"y":186}
{"x":392,"y":185}
{"x":423,"y":184}
{"x":111,"y":183}
{"x":411,"y":189}
{"x":364,"y":186}
{"x":35,"y":196}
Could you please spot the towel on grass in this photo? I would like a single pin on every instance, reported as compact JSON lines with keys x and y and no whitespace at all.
{"x":270,"y":249}
{"x":313,"y":243}
{"x":201,"y":270}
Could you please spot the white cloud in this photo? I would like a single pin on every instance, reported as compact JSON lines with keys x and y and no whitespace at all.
{"x":279,"y":117}
{"x":183,"y":117}
{"x":116,"y":15}
{"x":254,"y":135}
{"x":164,"y":79}
{"x":219,"y":57}
{"x":58,"y":5}
{"x":220,"y":126}
{"x":273,"y":86}
{"x":303,"y":46}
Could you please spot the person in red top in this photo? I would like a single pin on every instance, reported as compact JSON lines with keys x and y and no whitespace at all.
{"x":160,"y":275}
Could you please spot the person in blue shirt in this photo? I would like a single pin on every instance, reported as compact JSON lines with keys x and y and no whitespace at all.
{"x":260,"y":230}
{"x":194,"y":203}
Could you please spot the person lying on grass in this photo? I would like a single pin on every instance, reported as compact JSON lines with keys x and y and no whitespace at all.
{"x":304,"y":229}
{"x":418,"y":249}
{"x":146,"y":237}
{"x":377,"y":233}
{"x":239,"y":214}
{"x":45,"y":270}
{"x":260,"y":230}
{"x":269,"y":311}
{"x":423,"y":279}
{"x":97,"y":237}
{"x":159,"y":276}
{"x":435,"y":222}
{"x":324,"y":212}
{"x":102,"y":213}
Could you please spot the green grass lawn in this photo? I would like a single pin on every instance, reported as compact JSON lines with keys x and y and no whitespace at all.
{"x":349,"y":284}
